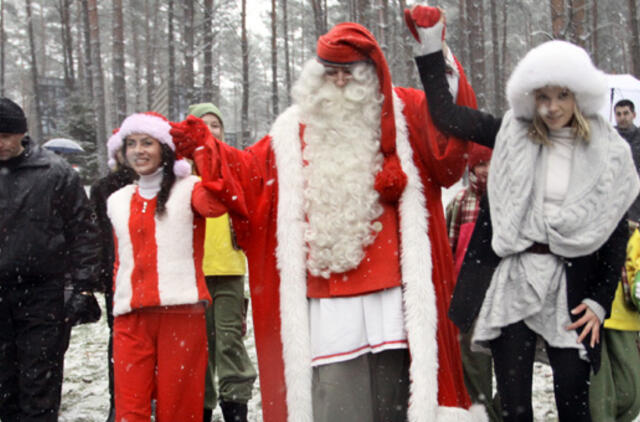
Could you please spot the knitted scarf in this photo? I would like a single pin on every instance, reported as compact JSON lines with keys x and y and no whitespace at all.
{"x":602,"y":185}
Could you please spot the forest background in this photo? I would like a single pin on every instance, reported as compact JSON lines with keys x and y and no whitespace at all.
{"x":80,"y":66}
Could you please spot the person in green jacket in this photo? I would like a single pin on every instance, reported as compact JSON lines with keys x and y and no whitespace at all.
{"x":614,"y":394}
{"x":224,"y":268}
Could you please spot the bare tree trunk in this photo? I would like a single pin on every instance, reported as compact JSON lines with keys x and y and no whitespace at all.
{"x":188,"y":50}
{"x":595,"y":48}
{"x":319,"y":17}
{"x":64,"y":7}
{"x":77,"y":46}
{"x":557,"y":19}
{"x":88,"y":74}
{"x":171,"y":81}
{"x":578,"y":20}
{"x":325,"y":21}
{"x":353,"y":14}
{"x":285,"y":36}
{"x":463,"y":54}
{"x":40,"y":35}
{"x":36,"y":123}
{"x":244,"y":114}
{"x":119,"y":84}
{"x":364,"y":11}
{"x":150,"y":49}
{"x":635,"y":42}
{"x":475,"y":16}
{"x":2,"y":42}
{"x":497,"y":70}
{"x":274,"y":59}
{"x":98,"y":87}
{"x":148,"y":54}
{"x":137,"y":58}
{"x":408,"y":52}
{"x":383,"y":25}
{"x":503,"y":70}
{"x":207,"y":89}
{"x":216,"y":73}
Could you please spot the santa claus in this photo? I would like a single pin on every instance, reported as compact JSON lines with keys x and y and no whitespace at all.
{"x":339,"y":212}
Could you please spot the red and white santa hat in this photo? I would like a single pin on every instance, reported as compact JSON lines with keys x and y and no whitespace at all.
{"x":153,"y":124}
{"x":348,"y":43}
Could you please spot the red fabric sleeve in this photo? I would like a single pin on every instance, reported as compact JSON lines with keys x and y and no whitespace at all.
{"x":444,"y":157}
{"x":229,"y":174}
{"x":205,"y":202}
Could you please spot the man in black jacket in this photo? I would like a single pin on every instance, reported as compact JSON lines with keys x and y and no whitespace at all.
{"x":46,"y":236}
{"x":625,"y":115}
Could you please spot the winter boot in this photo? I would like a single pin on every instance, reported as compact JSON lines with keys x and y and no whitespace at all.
{"x":208,"y":413}
{"x":233,"y":412}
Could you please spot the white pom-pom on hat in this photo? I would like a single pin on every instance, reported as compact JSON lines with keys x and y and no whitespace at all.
{"x":556,"y":63}
{"x":181,"y":168}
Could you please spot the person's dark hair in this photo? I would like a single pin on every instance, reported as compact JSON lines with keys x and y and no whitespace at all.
{"x":626,"y":103}
{"x":168,"y":177}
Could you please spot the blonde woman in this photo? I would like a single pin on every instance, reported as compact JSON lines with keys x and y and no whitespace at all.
{"x":546,"y":254}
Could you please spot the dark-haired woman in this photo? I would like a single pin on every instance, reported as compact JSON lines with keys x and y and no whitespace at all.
{"x":159,"y":340}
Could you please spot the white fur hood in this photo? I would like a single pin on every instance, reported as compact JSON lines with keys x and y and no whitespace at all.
{"x":557,"y":63}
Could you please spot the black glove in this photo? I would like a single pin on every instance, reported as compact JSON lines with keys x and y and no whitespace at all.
{"x":81,"y":308}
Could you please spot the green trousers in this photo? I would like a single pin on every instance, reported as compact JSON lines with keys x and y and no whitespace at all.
{"x":227,"y":353}
{"x":614,"y":395}
{"x":478,"y":377}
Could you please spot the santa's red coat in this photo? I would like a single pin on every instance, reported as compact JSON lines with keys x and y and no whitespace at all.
{"x":262,"y":186}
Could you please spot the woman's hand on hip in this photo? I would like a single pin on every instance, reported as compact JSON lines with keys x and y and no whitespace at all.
{"x":589,"y":320}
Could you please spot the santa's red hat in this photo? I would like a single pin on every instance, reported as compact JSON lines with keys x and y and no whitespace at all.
{"x":348,"y":43}
{"x":153,"y":124}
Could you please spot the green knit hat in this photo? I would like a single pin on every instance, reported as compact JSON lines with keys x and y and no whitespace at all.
{"x":201,"y":109}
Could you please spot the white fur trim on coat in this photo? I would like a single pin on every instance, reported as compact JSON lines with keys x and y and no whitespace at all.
{"x":416,"y":265}
{"x":556,"y":63}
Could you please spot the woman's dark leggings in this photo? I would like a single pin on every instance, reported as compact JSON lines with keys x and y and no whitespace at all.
{"x":513,"y":355}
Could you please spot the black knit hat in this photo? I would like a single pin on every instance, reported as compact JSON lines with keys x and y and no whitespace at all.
{"x":12,"y":118}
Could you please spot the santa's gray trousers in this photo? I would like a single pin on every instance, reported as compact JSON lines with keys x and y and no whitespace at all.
{"x":370,"y":388}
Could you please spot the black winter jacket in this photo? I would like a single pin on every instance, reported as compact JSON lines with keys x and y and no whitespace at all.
{"x":632,"y":135}
{"x":46,"y":226}
{"x":593,"y":276}
{"x":100,"y":192}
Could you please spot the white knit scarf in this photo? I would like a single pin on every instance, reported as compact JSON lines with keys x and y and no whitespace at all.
{"x":602,"y":185}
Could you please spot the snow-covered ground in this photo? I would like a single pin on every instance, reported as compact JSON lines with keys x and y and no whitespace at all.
{"x":85,"y":390}
{"x":85,"y":394}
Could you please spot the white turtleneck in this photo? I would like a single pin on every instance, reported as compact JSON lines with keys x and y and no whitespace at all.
{"x":560,"y":154}
{"x":149,"y":184}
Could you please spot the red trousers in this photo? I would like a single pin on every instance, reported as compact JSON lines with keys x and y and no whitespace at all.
{"x":162,"y":353}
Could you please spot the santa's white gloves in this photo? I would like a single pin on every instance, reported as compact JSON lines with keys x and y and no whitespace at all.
{"x":427,"y":25}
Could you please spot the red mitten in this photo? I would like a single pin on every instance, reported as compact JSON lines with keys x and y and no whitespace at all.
{"x":422,"y":17}
{"x":188,"y":135}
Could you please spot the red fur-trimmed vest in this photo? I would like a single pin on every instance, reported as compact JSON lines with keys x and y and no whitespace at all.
{"x":158,"y":260}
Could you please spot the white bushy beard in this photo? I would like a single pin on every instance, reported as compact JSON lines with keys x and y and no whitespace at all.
{"x":342,"y":157}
